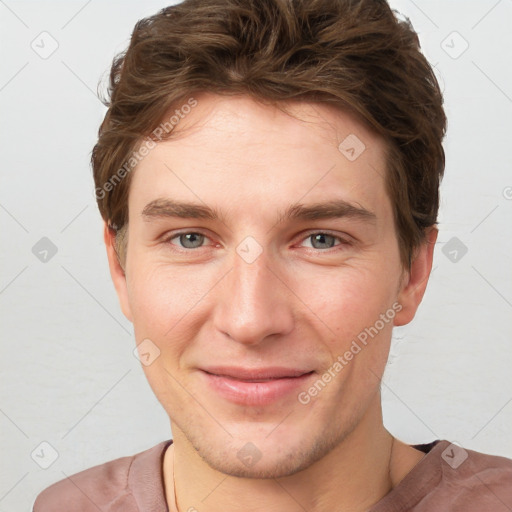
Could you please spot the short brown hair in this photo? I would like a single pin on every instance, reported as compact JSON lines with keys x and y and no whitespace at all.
{"x":355,"y":55}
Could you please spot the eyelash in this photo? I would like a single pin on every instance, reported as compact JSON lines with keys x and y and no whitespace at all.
{"x":342,"y":241}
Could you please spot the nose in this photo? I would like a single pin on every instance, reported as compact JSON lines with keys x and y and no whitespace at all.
{"x":254,"y":302}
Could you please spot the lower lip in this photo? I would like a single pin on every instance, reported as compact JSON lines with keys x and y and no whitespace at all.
{"x":255,"y":393}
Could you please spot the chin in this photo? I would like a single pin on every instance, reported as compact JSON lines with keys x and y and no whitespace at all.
{"x":265,"y":457}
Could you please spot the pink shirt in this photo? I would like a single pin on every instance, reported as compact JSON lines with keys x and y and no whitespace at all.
{"x":445,"y":480}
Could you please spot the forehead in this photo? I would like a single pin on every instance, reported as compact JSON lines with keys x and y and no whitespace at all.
{"x":251,"y":121}
{"x":236,"y":154}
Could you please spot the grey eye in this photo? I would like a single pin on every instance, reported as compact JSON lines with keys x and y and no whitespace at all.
{"x":191,"y":240}
{"x":324,"y":241}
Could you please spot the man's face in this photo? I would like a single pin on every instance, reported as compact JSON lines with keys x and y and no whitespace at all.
{"x":256,"y":289}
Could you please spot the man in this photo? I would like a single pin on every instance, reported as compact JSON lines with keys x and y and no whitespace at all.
{"x":268,"y":173}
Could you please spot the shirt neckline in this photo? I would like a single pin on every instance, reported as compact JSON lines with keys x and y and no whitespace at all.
{"x":411,"y":489}
{"x":149,"y":492}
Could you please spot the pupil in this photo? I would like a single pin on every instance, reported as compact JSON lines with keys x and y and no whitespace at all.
{"x":190,"y":240}
{"x":321,"y":238}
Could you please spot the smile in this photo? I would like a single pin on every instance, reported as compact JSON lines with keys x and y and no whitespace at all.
{"x":260,"y":390}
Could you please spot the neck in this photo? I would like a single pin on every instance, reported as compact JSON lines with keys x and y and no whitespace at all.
{"x":355,"y":475}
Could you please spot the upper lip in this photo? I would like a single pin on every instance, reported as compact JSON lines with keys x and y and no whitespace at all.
{"x":270,"y":372}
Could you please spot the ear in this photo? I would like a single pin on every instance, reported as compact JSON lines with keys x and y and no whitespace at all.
{"x":415,"y":281}
{"x":116,"y":271}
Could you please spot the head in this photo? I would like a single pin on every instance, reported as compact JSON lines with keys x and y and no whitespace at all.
{"x":268,"y":174}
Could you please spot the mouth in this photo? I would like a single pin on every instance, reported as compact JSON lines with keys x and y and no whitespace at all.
{"x":261,"y":386}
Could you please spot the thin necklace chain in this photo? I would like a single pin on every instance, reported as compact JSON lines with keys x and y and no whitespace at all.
{"x":174,"y":482}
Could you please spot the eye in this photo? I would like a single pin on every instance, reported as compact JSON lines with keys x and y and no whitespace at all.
{"x":189,"y":240}
{"x":324,"y":241}
{"x":194,"y":240}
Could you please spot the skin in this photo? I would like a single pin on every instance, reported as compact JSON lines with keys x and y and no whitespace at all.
{"x":297,"y":305}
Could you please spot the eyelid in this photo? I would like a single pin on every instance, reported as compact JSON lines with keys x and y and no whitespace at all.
{"x":174,"y":234}
{"x":344,"y":239}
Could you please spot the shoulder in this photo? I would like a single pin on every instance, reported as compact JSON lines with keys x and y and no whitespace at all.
{"x":105,"y":487}
{"x":89,"y":490}
{"x":477,"y":471}
{"x":452,"y":479}
{"x":470,"y":480}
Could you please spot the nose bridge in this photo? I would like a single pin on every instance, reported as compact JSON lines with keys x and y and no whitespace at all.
{"x":253,"y":303}
{"x":251,"y":283}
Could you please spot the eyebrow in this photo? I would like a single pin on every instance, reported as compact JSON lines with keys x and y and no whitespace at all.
{"x":337,"y":208}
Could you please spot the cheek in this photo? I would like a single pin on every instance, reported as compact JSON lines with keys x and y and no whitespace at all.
{"x":348,"y":300}
{"x":161,"y":297}
{"x":162,"y":302}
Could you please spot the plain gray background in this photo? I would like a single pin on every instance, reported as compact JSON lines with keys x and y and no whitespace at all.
{"x":69,"y":376}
